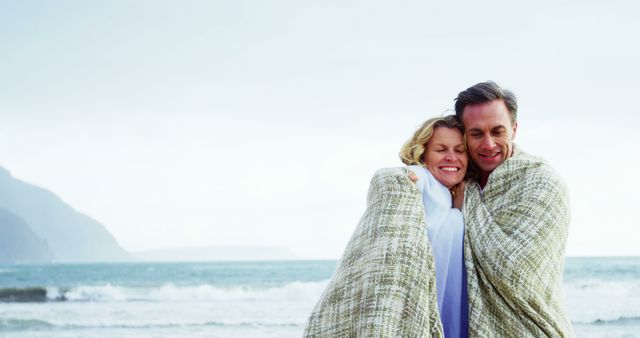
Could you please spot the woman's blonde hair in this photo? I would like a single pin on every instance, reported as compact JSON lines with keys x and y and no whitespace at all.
{"x":412,"y":151}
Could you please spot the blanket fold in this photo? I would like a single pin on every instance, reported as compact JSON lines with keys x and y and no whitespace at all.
{"x":384,"y":285}
{"x":515,"y":234}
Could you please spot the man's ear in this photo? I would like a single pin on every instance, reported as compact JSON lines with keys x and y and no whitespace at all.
{"x":515,"y":127}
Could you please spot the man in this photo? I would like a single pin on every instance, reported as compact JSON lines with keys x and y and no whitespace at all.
{"x":516,"y":217}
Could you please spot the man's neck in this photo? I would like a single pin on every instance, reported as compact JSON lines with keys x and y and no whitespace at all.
{"x":484,"y":178}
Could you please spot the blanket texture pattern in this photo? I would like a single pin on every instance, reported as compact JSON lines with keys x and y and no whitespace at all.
{"x":515,"y":234}
{"x":385,"y":283}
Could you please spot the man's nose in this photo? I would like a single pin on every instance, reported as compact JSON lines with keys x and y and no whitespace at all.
{"x":488,"y":142}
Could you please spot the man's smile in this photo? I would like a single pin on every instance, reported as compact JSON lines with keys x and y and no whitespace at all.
{"x":490,"y":156}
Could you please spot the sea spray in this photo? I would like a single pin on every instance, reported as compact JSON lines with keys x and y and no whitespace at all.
{"x":295,"y":291}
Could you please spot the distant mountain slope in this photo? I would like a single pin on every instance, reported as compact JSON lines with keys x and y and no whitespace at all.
{"x":18,"y":244}
{"x":73,"y":237}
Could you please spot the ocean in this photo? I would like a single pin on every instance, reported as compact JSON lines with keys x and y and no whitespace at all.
{"x":247,"y":299}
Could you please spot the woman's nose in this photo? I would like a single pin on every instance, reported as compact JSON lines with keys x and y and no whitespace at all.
{"x":449,"y":156}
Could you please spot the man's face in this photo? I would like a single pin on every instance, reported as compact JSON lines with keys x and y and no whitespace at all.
{"x":489,"y":134}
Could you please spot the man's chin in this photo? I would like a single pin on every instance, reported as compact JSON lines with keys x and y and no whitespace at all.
{"x":488,"y":167}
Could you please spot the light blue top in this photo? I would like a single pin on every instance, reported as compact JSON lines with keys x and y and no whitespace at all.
{"x":445,"y":230}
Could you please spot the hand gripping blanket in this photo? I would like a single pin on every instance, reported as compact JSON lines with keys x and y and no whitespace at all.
{"x":385,"y":282}
{"x":515,"y":234}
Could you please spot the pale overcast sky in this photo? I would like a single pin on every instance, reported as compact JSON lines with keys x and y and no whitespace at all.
{"x":231,"y":122}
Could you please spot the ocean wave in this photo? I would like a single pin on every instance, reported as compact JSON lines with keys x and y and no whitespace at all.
{"x":595,"y":301}
{"x":15,"y":324}
{"x":24,"y":295}
{"x":619,"y":321}
{"x":296,"y":291}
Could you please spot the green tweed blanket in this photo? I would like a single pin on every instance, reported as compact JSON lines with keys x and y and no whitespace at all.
{"x":385,"y":283}
{"x":515,"y":234}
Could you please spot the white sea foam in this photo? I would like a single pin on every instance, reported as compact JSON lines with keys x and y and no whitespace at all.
{"x":53,"y":293}
{"x":16,"y":324}
{"x":592,"y":301}
{"x":181,"y":310}
{"x":13,"y":324}
{"x":587,"y":301}
{"x":104,"y":293}
{"x":296,"y":291}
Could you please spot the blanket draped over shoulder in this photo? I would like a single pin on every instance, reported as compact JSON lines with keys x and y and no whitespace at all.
{"x":385,"y":282}
{"x":515,"y":234}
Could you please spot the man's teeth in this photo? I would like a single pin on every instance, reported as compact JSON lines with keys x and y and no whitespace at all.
{"x":449,"y":169}
{"x":489,"y":156}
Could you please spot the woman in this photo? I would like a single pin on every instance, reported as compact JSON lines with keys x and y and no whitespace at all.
{"x":397,"y":278}
{"x":437,"y":154}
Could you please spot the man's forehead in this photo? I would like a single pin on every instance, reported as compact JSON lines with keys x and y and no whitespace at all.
{"x":486,"y":115}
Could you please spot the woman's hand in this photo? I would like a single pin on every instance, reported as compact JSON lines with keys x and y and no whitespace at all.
{"x":413,"y":177}
{"x":457,"y":193}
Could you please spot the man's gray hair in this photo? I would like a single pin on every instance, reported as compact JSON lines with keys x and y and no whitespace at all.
{"x":484,"y":92}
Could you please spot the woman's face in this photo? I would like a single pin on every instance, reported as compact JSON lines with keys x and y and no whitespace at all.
{"x":446,"y":157}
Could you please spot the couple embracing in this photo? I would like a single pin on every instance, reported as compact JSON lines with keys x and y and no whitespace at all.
{"x":468,"y":240}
